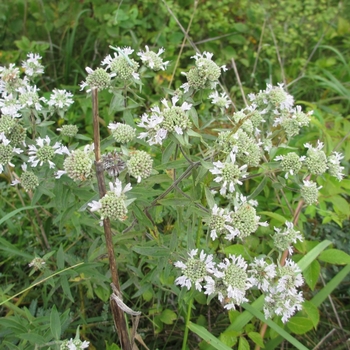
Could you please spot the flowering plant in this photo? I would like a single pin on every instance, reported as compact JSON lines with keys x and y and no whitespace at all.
{"x":161,"y":165}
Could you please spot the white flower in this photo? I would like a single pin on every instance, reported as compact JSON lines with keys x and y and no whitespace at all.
{"x":60,"y":99}
{"x":221,"y":100}
{"x":195,"y":270}
{"x":152,"y":60}
{"x":229,"y":174}
{"x":262,"y":274}
{"x":32,"y":65}
{"x":44,"y":152}
{"x":28,"y":97}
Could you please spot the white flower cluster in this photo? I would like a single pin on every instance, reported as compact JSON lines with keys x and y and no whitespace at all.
{"x":231,"y":278}
{"x":122,"y":68}
{"x":171,"y":119}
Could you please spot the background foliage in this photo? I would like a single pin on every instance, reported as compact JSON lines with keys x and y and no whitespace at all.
{"x":304,"y":44}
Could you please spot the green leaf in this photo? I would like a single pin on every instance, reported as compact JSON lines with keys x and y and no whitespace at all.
{"x":152,"y":251}
{"x":311,"y":274}
{"x":256,"y":338}
{"x":55,"y":323}
{"x":238,"y":249}
{"x":275,"y":216}
{"x":312,"y":312}
{"x":208,"y":337}
{"x":335,"y":256}
{"x":300,"y":325}
{"x":15,"y":212}
{"x":243,"y":344}
{"x":33,"y":338}
{"x":229,"y":337}
{"x":13,"y":251}
{"x":168,"y":316}
{"x":194,"y":116}
{"x":313,"y":254}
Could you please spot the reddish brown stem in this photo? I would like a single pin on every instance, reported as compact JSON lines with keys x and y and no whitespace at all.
{"x":118,"y":314}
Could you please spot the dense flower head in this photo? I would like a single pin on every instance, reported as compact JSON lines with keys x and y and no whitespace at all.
{"x":309,"y":192}
{"x":6,"y":152}
{"x":316,"y":160}
{"x":261,"y":274}
{"x":195,"y":270}
{"x":289,"y":277}
{"x":112,"y":205}
{"x":12,"y":129}
{"x":205,"y":74}
{"x":220,"y":223}
{"x":334,"y":167}
{"x":229,"y":174}
{"x":78,"y":165}
{"x":152,"y":60}
{"x":284,"y":238}
{"x":140,"y":165}
{"x":283,"y":305}
{"x":233,"y":274}
{"x":68,"y":130}
{"x":122,"y":133}
{"x":29,"y":97}
{"x":291,"y":163}
{"x":293,"y":121}
{"x":43,"y":152}
{"x":161,"y":122}
{"x":28,"y":179}
{"x":246,"y":147}
{"x":60,"y":100}
{"x":32,"y":65}
{"x":273,"y":103}
{"x":121,"y":66}
{"x":244,"y":218}
{"x":97,"y":79}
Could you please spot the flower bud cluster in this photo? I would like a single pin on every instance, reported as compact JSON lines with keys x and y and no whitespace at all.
{"x":12,"y":130}
{"x":68,"y":130}
{"x":78,"y":165}
{"x":122,"y":133}
{"x":113,"y":204}
{"x":309,"y":192}
{"x":140,"y":165}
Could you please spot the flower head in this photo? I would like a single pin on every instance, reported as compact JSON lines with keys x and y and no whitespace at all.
{"x":121,"y":66}
{"x":316,"y":160}
{"x":195,"y":269}
{"x":220,"y":223}
{"x":97,"y":79}
{"x":291,"y":163}
{"x":152,"y":60}
{"x":309,"y":192}
{"x":221,"y":100}
{"x":44,"y":152}
{"x":140,"y":165}
{"x":334,"y":167}
{"x":122,"y":133}
{"x":32,"y":65}
{"x":171,"y":119}
{"x":205,"y":74}
{"x":60,"y":100}
{"x":229,"y":174}
{"x":283,"y":239}
{"x":112,"y":205}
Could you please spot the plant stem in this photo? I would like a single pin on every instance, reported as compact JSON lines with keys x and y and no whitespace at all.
{"x":118,"y":314}
{"x":188,"y":317}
